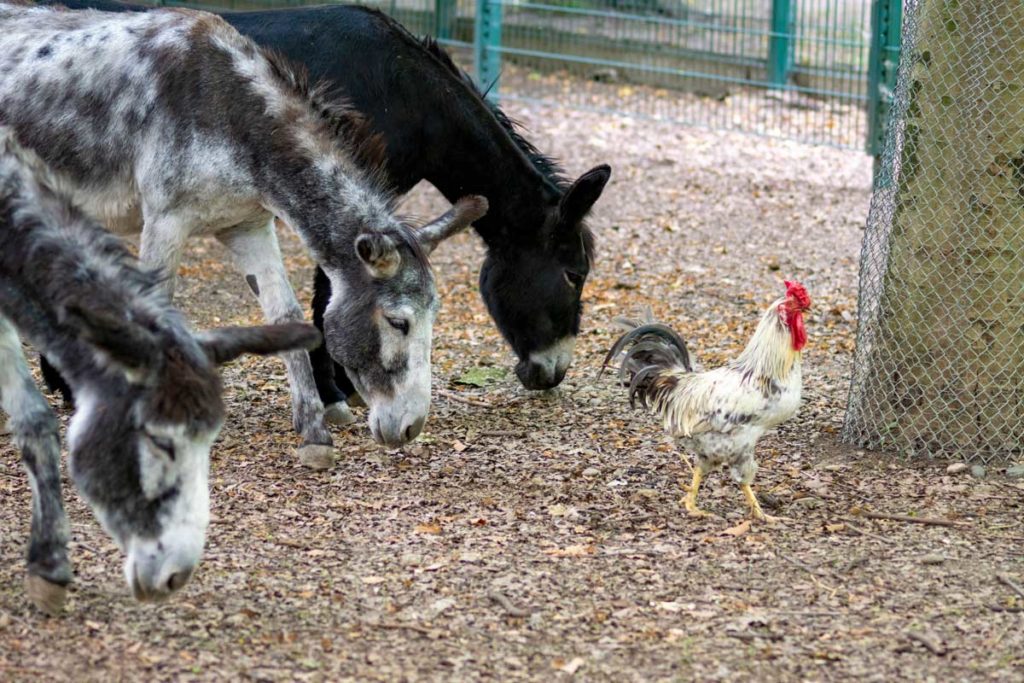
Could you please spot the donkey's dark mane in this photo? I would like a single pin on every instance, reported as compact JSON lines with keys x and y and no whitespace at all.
{"x":340,"y":119}
{"x":548,"y":166}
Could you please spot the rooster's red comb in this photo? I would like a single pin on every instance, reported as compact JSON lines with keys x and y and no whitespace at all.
{"x":796,"y":290}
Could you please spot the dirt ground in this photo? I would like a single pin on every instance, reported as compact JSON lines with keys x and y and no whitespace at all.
{"x":540,"y":536}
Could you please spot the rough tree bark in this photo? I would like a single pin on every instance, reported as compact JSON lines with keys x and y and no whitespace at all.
{"x":946,"y":370}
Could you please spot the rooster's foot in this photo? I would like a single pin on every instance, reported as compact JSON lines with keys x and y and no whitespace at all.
{"x":767,"y":519}
{"x":692,"y":509}
{"x":755,"y":507}
{"x":690,"y":501}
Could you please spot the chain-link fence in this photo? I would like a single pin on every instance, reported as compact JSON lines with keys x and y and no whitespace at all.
{"x":939,"y":368}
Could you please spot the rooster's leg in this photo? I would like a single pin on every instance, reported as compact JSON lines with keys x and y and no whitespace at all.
{"x":690,"y":501}
{"x":755,"y":507}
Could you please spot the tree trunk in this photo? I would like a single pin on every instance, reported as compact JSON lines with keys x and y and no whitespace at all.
{"x":946,"y":366}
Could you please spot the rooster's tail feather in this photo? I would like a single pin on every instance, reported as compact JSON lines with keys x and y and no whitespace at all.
{"x":648,"y":350}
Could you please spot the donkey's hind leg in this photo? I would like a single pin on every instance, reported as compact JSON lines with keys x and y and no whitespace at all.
{"x":35,"y":431}
{"x":258,"y":256}
{"x":55,"y":382}
{"x":331,"y":382}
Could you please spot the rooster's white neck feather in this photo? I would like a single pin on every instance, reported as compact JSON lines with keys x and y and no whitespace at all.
{"x":769,"y":353}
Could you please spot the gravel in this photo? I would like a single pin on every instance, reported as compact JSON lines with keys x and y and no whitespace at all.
{"x":542,"y":538}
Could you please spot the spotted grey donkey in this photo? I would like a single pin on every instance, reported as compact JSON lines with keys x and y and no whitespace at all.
{"x":149,"y":397}
{"x":172,"y":123}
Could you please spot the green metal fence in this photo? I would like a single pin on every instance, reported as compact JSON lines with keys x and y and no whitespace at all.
{"x":817,"y":71}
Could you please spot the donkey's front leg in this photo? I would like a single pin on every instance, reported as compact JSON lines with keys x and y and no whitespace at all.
{"x":258,"y":256}
{"x":34,"y":427}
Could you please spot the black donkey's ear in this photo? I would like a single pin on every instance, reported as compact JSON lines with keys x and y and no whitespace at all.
{"x":587,"y":189}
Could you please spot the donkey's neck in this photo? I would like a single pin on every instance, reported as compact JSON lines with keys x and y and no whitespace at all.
{"x":481,"y":158}
{"x":327,"y":202}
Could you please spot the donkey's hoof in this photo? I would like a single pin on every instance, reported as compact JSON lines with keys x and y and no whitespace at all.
{"x":339,"y":414}
{"x":47,"y":596}
{"x":318,"y":457}
{"x":355,"y":400}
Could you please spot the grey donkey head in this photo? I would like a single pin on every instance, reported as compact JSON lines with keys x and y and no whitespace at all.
{"x":140,"y":439}
{"x":379,"y":325}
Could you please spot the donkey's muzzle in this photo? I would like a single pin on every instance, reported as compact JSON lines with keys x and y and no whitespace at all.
{"x":396,"y":433}
{"x":155,"y":574}
{"x":545,"y":369}
{"x":145,"y":589}
{"x":539,"y":376}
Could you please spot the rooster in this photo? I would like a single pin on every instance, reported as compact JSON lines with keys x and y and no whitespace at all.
{"x":719,"y":414}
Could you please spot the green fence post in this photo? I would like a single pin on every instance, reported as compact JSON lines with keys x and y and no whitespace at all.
{"x":883,"y":64}
{"x":780,"y":43}
{"x":444,"y":16}
{"x":487,"y":37}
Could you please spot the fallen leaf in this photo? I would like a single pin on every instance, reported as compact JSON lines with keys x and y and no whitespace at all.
{"x":579,"y":550}
{"x":570,"y":667}
{"x":560,"y":510}
{"x":441,"y":605}
{"x":428,"y":528}
{"x":738,"y":530}
{"x":481,"y":377}
{"x":372,"y":580}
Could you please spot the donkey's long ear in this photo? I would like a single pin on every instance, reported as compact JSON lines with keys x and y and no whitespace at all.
{"x":379,"y":254}
{"x":225,"y":344}
{"x":126,"y":343}
{"x":456,"y":219}
{"x":576,"y":202}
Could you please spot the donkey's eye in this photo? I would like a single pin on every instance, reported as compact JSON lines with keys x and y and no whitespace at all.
{"x":399,"y":324}
{"x":162,"y":444}
{"x":575,"y":280}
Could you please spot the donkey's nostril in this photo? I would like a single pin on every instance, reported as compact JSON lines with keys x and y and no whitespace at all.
{"x":178,"y":579}
{"x":413,"y":430}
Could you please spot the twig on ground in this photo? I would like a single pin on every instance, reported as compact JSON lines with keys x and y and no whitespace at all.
{"x":855,"y":563}
{"x":863,"y":532}
{"x":451,"y":395}
{"x":815,"y":573}
{"x":932,"y":521}
{"x":23,"y":669}
{"x":930,"y":643}
{"x":86,"y":547}
{"x":1011,"y":584}
{"x":503,"y":432}
{"x":1000,"y":608}
{"x":398,"y":626}
{"x":507,"y":605}
{"x":753,"y":635}
{"x":797,"y":563}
